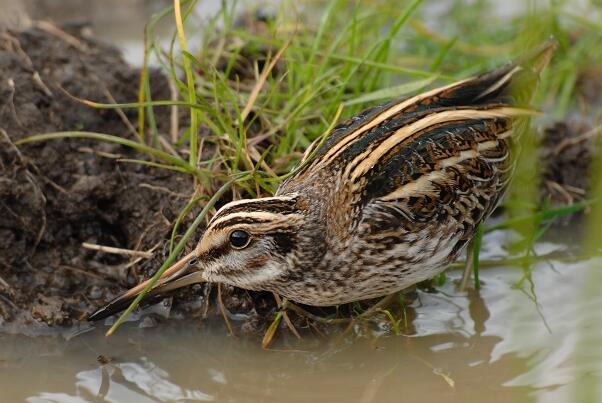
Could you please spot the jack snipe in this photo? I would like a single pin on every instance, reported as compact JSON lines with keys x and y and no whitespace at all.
{"x":390,"y":198}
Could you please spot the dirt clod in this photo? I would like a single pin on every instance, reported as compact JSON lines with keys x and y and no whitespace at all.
{"x":567,"y":153}
{"x":58,"y":194}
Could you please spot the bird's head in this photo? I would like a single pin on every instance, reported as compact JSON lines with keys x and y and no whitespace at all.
{"x":248,"y":244}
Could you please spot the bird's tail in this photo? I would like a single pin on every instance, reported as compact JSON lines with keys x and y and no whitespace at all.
{"x":513,"y":83}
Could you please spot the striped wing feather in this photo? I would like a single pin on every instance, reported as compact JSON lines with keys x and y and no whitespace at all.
{"x":441,"y":185}
{"x":437,"y":161}
{"x":488,"y":88}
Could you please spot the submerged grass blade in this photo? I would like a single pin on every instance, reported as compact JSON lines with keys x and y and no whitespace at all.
{"x":268,"y":337}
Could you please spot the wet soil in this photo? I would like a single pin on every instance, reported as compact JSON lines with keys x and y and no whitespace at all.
{"x":57,"y":195}
{"x":567,"y":150}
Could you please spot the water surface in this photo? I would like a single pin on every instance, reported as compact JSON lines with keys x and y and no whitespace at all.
{"x":494,"y":345}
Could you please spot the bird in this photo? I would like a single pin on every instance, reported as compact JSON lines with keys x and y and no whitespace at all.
{"x":387,"y":199}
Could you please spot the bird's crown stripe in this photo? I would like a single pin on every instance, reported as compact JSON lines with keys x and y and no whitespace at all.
{"x":251,"y":217}
{"x":254,"y":204}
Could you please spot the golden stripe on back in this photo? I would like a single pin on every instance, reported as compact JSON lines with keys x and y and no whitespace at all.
{"x":338,"y":148}
{"x":366,"y":160}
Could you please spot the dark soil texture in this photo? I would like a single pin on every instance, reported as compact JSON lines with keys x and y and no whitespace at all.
{"x":57,"y":195}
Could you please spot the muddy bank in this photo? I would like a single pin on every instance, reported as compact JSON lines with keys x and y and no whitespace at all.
{"x":567,"y":149}
{"x":57,"y":195}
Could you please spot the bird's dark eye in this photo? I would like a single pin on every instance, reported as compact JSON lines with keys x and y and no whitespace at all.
{"x":239,"y":239}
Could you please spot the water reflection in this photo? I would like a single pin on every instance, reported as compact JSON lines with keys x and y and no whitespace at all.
{"x":449,"y":357}
{"x":492,"y":344}
{"x":218,"y":371}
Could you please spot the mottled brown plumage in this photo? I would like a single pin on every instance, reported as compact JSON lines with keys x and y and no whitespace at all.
{"x":388,"y":199}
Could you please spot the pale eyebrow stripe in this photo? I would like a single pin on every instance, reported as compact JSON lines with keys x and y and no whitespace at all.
{"x":258,"y":215}
{"x":246,"y":201}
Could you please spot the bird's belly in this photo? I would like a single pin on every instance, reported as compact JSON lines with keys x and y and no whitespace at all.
{"x":369,"y":272}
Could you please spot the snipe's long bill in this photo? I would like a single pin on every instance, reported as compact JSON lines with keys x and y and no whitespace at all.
{"x":389,"y":199}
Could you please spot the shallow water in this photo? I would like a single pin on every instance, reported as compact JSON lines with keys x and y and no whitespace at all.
{"x":495,"y":345}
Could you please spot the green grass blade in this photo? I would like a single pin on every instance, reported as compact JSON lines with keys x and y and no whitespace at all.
{"x":144,"y":149}
{"x":539,"y":216}
{"x":181,"y":216}
{"x":190,"y":80}
{"x":172,"y":256}
{"x":392,"y":92}
{"x":154,"y":165}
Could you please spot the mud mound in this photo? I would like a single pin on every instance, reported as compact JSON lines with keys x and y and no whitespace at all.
{"x":567,"y":151}
{"x":56,"y":195}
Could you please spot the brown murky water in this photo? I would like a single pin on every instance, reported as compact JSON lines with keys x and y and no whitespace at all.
{"x":498,"y":345}
{"x":504,"y":343}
